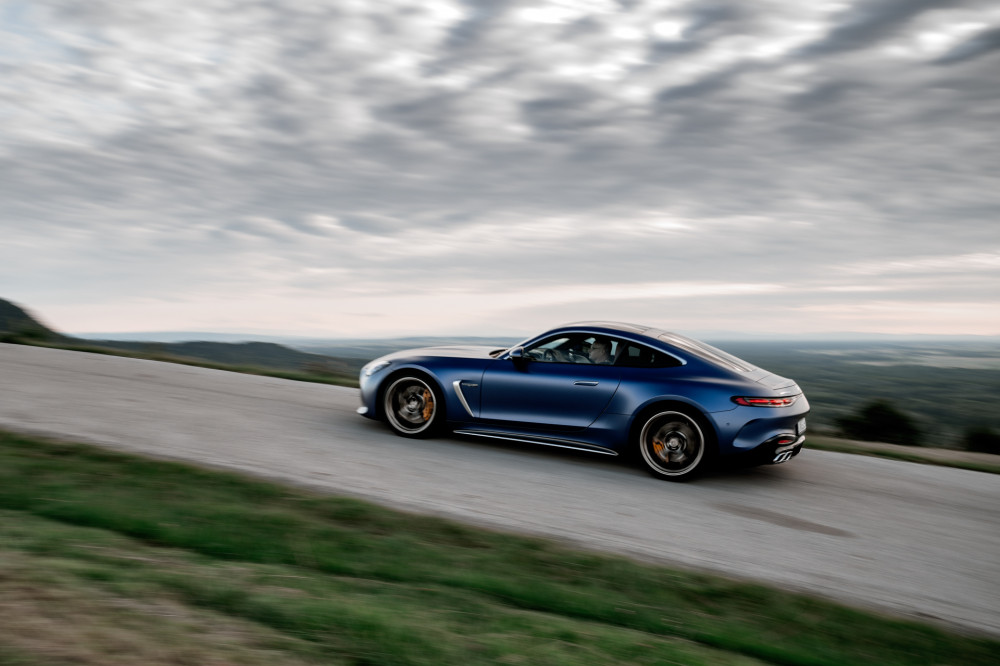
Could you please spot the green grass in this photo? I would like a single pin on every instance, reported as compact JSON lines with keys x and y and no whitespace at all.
{"x":304,"y":578}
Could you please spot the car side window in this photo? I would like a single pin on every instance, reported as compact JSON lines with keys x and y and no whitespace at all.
{"x":579,"y":348}
{"x":552,"y":350}
{"x":600,"y":350}
{"x":632,"y":355}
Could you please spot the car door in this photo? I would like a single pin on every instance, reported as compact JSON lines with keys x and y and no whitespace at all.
{"x":557,"y":394}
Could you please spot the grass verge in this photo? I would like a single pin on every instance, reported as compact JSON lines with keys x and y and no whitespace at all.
{"x":977,"y":462}
{"x":109,"y":558}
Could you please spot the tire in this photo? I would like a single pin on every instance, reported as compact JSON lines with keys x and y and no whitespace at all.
{"x":412,"y":406}
{"x":675,"y":445}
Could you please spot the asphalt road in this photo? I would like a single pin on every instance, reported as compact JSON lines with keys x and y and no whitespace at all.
{"x":912,"y":539}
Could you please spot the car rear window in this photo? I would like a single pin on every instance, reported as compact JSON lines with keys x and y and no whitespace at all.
{"x":707,"y":352}
{"x":631,"y":355}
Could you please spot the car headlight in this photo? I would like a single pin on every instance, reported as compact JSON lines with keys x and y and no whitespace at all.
{"x":372,"y":368}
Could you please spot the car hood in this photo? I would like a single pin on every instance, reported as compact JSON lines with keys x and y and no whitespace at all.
{"x":450,"y":351}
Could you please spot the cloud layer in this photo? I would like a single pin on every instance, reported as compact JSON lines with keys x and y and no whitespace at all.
{"x":355,"y":167}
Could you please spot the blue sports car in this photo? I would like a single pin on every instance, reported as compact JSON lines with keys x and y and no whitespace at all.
{"x":604,"y":387}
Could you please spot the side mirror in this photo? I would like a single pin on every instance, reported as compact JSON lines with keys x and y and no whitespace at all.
{"x":517,"y":355}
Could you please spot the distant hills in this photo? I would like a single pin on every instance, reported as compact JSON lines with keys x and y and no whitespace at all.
{"x":351,"y":347}
{"x":266,"y":355}
{"x":304,"y":355}
{"x":291,"y":354}
{"x":19,"y":326}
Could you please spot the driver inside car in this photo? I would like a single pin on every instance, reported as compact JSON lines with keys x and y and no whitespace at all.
{"x":600,"y":352}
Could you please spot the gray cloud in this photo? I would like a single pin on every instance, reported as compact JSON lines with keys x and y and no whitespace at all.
{"x":156,"y":150}
{"x":866,"y":23}
{"x":987,"y":41}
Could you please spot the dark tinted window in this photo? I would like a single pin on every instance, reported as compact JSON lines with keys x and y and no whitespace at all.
{"x":631,"y":355}
{"x":707,"y":352}
{"x":574,"y":348}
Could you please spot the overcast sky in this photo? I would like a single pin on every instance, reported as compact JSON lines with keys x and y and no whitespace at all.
{"x":355,"y":168}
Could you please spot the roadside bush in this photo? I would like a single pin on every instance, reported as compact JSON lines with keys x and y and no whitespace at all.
{"x":880,"y":421}
{"x":981,"y":440}
{"x":329,"y":367}
{"x":25,"y":335}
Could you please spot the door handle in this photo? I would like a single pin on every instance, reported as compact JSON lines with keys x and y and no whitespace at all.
{"x":583,"y":383}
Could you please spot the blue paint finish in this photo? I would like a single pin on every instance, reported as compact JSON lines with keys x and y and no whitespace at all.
{"x":597,"y":405}
{"x":781,"y":421}
{"x":549,"y":395}
{"x":610,"y":431}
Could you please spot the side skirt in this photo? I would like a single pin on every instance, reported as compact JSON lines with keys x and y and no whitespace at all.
{"x":544,"y":441}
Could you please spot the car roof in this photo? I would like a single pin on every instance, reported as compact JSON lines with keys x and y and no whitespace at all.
{"x":676,"y":342}
{"x":635,"y":329}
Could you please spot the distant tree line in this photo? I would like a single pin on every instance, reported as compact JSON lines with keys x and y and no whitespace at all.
{"x":881,"y":421}
{"x":26,"y":334}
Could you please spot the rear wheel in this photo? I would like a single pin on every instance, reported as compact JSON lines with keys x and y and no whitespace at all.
{"x":674,"y":445}
{"x":412,"y":406}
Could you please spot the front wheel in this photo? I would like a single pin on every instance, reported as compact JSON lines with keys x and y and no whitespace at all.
{"x":674,"y":446}
{"x":412,"y":406}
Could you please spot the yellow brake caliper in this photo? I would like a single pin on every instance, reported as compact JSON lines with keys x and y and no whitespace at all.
{"x":659,"y":447}
{"x":428,"y":405}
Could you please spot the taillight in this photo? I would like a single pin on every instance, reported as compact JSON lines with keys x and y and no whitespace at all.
{"x":750,"y":401}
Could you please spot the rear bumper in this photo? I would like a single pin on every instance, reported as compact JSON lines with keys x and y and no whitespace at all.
{"x":764,"y":430}
{"x":778,"y":449}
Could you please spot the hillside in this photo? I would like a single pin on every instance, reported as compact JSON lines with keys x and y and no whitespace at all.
{"x":17,"y":324}
{"x":260,"y":354}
